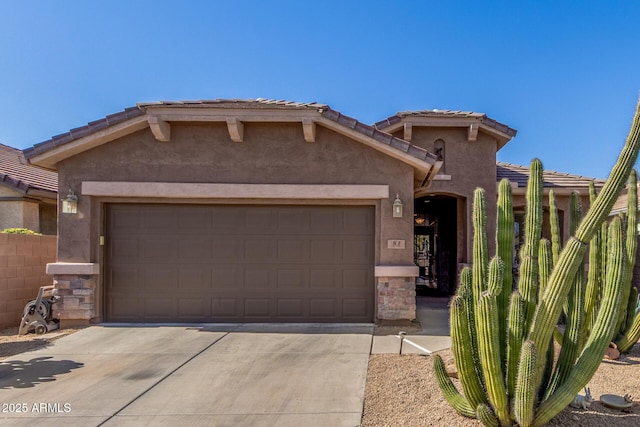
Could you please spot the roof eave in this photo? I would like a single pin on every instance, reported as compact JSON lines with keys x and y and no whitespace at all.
{"x":47,"y":156}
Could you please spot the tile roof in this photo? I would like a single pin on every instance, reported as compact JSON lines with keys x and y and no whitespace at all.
{"x":481,"y":117}
{"x":79,"y":132}
{"x":236,"y":103}
{"x":17,"y":173}
{"x":379,"y":136}
{"x":520,"y":174}
{"x":257,"y":103}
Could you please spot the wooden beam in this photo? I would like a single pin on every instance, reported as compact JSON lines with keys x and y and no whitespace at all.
{"x":408,"y":131}
{"x":309,"y":129}
{"x":472,"y":136}
{"x":161,"y":129}
{"x":236,"y":129}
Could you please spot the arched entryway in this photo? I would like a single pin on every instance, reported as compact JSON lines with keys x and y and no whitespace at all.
{"x":436,"y":244}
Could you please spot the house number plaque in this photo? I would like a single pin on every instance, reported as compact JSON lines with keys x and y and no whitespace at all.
{"x":395,"y":244}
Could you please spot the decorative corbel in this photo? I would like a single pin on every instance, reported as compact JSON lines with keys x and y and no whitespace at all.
{"x":236,"y":129}
{"x":309,"y":129}
{"x":472,"y":135}
{"x":408,"y":132}
{"x":161,"y":129}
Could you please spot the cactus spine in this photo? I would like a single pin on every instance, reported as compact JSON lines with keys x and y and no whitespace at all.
{"x":516,"y":390}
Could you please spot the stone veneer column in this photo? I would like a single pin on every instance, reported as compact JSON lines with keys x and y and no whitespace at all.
{"x":396,"y":292}
{"x":75,"y":286}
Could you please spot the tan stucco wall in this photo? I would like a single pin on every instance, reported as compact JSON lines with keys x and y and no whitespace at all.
{"x":201,"y":152}
{"x":469,"y":165}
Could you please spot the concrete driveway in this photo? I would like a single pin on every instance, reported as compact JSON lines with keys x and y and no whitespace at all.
{"x":196,"y":375}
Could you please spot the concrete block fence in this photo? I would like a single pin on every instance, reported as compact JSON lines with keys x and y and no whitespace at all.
{"x":23,"y":259}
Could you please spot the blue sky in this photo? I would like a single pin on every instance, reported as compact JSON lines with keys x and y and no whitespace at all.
{"x":565,"y":74}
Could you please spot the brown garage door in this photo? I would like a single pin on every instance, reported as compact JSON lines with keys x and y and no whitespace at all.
{"x":203,"y":263}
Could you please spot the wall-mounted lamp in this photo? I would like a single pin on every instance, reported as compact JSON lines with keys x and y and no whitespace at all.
{"x":70,"y":203}
{"x":397,"y":207}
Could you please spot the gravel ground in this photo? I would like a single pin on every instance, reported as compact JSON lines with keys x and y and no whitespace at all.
{"x":402,"y":391}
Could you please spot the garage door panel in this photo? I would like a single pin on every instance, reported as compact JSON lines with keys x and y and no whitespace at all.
{"x":159,"y":308}
{"x":194,"y":277}
{"x":355,"y":279}
{"x":291,"y":307}
{"x":259,"y":277}
{"x":194,"y":309}
{"x":124,"y":249}
{"x":323,"y":308}
{"x":160,"y":278}
{"x":159,"y":250}
{"x":196,"y":249}
{"x":356,"y":251}
{"x":124,"y":309}
{"x":260,"y":250}
{"x":227,"y":249}
{"x":327,"y":279}
{"x":257,"y":307}
{"x":293,"y":279}
{"x":325,"y":222}
{"x":357,"y":222}
{"x":226,"y":308}
{"x":122,"y":278}
{"x":227,"y":277}
{"x":325,"y":251}
{"x":293,"y":250}
{"x":195,"y":263}
{"x":293,"y":222}
{"x":355,"y":308}
{"x":160,"y":219}
{"x":260,"y":221}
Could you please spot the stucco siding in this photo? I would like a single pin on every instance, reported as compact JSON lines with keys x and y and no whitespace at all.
{"x":204,"y":153}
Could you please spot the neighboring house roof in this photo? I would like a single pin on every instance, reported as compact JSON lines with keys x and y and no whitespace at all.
{"x":558,"y":181}
{"x":17,"y":173}
{"x":162,"y":113}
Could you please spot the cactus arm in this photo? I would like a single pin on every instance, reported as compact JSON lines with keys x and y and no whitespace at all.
{"x":631,"y":336}
{"x":466,"y":293}
{"x":525,"y":387}
{"x":632,"y":241}
{"x":488,"y":343}
{"x":545,"y":264}
{"x":548,"y":310}
{"x":598,"y":341}
{"x":593,"y":276}
{"x":516,"y":333}
{"x":528,"y":280}
{"x":460,"y":345}
{"x":486,"y":416}
{"x":556,"y":241}
{"x":480,"y":252}
{"x":573,"y":337}
{"x":449,"y":391}
{"x":504,"y":249}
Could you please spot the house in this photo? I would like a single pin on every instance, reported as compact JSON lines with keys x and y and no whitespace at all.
{"x":267,"y":211}
{"x":28,"y":194}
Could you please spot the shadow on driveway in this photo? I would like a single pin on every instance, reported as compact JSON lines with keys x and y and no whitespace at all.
{"x":24,"y":374}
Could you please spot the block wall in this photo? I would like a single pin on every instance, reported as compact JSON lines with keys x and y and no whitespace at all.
{"x":23,"y":260}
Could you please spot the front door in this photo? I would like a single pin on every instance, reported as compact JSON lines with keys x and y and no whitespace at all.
{"x":435,"y":244}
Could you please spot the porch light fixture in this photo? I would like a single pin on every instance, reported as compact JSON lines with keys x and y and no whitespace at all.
{"x":419,"y":219}
{"x":397,"y":207}
{"x":70,"y":203}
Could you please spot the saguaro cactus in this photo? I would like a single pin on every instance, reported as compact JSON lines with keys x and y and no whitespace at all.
{"x":511,"y":385}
